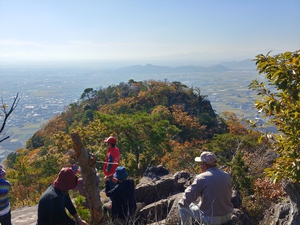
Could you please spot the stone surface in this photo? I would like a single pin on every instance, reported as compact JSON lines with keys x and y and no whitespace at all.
{"x":160,"y":190}
{"x":26,"y":215}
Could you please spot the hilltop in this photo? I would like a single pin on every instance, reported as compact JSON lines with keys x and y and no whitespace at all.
{"x":45,"y":92}
{"x":168,"y":123}
{"x":155,"y":122}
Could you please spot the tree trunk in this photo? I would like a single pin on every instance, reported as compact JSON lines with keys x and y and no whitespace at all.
{"x":87,"y":161}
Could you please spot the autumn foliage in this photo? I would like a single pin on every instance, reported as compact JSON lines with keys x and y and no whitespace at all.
{"x":155,"y":123}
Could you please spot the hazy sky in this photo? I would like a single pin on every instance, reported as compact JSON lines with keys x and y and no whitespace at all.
{"x":148,"y":30}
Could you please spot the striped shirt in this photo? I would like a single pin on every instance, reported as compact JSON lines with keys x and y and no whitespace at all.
{"x":4,"y":189}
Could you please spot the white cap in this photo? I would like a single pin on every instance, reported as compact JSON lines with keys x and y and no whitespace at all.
{"x":207,"y":157}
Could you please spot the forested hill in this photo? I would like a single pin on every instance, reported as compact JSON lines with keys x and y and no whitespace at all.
{"x":168,"y":123}
{"x":155,"y":122}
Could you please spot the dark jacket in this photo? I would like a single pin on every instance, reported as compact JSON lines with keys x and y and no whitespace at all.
{"x":123,"y":198}
{"x":51,"y":208}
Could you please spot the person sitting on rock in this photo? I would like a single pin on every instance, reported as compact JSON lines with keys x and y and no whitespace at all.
{"x":54,"y":201}
{"x":123,"y":203}
{"x":213,"y":186}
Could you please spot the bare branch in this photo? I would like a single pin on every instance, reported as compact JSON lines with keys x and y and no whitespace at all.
{"x":6,"y":112}
{"x":4,"y":139}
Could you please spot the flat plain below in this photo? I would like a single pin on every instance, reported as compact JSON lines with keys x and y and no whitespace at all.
{"x":46,"y":93}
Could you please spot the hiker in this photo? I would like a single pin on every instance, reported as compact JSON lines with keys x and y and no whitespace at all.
{"x":5,"y":210}
{"x":112,"y":159}
{"x":55,"y":200}
{"x":123,"y":203}
{"x":213,"y":186}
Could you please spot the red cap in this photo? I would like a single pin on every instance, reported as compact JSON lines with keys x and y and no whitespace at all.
{"x":66,"y":179}
{"x":111,"y":140}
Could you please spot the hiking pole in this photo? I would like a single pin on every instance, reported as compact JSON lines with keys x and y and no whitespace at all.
{"x":114,"y":163}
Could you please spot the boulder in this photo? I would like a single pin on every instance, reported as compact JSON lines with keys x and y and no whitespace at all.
{"x":158,"y":193}
{"x":285,"y":212}
{"x":155,"y":185}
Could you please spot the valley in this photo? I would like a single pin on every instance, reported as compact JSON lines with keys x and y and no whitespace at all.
{"x":45,"y":93}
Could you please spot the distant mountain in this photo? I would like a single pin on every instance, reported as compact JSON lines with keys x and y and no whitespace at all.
{"x":245,"y":64}
{"x":152,"y":69}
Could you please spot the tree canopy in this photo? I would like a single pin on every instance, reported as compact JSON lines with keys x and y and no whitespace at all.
{"x":155,"y":123}
{"x":279,"y":102}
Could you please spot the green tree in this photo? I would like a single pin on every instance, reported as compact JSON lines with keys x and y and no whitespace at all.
{"x":240,"y":174}
{"x":279,"y":102}
{"x":88,"y":93}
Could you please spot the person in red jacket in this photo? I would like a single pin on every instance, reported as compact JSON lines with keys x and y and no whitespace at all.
{"x":112,"y":159}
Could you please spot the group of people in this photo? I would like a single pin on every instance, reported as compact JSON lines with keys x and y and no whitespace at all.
{"x":212,"y":186}
{"x":118,"y":187}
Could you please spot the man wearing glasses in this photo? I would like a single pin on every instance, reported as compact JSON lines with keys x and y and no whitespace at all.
{"x":213,"y":186}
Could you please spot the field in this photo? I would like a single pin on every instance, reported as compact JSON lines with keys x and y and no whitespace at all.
{"x":227,"y":91}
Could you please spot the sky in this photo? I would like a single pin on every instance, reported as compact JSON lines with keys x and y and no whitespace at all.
{"x":146,"y":31}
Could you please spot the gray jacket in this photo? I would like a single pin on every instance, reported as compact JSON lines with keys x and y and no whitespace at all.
{"x":214,"y":188}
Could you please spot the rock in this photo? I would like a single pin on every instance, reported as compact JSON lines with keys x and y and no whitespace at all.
{"x":287,"y":212}
{"x":153,"y":187}
{"x":158,"y":194}
{"x":26,"y":215}
{"x":160,"y":210}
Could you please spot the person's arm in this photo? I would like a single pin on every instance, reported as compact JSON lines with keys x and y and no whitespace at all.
{"x":111,"y":192}
{"x":73,"y":212}
{"x":109,"y":164}
{"x":71,"y":208}
{"x":79,"y":221}
{"x":192,"y":192}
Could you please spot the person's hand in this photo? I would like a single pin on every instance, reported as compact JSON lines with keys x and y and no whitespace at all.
{"x":82,"y":222}
{"x":115,"y":180}
{"x":107,"y":178}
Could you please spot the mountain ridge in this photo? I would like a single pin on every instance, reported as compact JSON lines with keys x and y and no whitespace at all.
{"x":150,"y":68}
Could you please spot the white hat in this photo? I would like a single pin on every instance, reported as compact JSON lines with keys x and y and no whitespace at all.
{"x":207,"y":157}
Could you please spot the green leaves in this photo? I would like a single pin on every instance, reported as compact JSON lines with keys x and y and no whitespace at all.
{"x":280,"y":103}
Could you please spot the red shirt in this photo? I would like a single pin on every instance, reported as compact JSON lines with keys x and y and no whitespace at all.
{"x":112,"y":161}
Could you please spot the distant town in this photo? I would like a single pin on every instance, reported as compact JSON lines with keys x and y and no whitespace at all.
{"x":45,"y":93}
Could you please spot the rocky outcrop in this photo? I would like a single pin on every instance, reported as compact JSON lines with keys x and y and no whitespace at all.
{"x":157,"y":183}
{"x":286,"y":212}
{"x":158,"y":193}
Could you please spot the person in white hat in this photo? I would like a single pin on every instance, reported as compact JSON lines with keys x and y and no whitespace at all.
{"x":213,"y":186}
